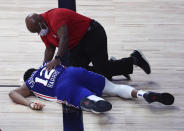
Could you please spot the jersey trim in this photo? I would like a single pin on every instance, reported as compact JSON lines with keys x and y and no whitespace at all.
{"x":49,"y":98}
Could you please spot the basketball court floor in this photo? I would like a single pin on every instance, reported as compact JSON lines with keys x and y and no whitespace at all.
{"x":154,"y":26}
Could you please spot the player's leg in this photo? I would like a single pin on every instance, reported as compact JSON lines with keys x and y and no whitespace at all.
{"x":72,"y":88}
{"x":90,"y":80}
{"x":84,"y":99}
{"x":129,"y":92}
{"x":87,"y":82}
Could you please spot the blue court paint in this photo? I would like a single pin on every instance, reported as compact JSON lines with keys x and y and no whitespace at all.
{"x":72,"y":118}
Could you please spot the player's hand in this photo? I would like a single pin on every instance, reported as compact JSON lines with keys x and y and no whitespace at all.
{"x":52,"y":65}
{"x":36,"y":106}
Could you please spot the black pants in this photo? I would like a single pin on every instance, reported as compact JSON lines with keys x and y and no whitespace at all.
{"x":93,"y":48}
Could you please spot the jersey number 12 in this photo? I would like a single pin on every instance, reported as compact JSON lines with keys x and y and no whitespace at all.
{"x":46,"y":75}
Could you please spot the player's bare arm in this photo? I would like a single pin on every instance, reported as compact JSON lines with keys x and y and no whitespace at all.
{"x":19,"y":96}
{"x":62,"y":34}
{"x":49,"y":53}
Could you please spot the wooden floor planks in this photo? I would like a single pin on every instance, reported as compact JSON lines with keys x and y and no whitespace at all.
{"x":156,"y":27}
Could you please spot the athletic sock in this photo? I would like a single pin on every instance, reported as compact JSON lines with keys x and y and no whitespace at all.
{"x":140,"y":93}
{"x":95,"y":98}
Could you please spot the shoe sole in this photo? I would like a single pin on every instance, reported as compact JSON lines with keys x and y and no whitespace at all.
{"x":143,"y":56}
{"x":166,"y":99}
{"x":99,"y":107}
{"x":102,"y":106}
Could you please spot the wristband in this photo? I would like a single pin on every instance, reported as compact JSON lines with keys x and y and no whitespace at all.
{"x":30,"y":104}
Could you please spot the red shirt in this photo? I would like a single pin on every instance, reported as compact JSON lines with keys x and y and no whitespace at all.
{"x":77,"y":26}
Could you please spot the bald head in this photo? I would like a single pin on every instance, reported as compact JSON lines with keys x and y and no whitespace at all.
{"x":32,"y":22}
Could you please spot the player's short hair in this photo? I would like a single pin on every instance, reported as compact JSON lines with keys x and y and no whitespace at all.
{"x":28,"y":73}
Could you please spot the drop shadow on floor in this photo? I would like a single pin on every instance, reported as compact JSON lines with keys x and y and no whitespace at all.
{"x":164,"y":109}
{"x":145,"y":85}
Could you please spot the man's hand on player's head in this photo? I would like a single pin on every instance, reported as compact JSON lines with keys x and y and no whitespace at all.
{"x":36,"y":106}
{"x":53,"y":64}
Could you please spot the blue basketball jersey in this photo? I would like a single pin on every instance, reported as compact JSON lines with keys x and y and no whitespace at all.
{"x":43,"y":82}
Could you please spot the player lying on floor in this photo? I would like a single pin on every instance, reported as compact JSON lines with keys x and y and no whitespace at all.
{"x":77,"y":87}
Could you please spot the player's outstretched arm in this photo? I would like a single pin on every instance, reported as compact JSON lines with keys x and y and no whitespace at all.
{"x":19,"y":96}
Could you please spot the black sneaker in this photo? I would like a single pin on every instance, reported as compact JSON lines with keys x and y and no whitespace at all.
{"x":164,"y":98}
{"x":142,"y":62}
{"x":96,"y":107}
